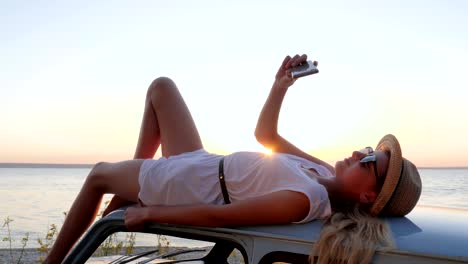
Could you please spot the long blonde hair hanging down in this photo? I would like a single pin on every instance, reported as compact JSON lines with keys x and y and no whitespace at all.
{"x":351,"y":237}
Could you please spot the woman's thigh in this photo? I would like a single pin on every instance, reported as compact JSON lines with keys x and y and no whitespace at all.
{"x":178,"y":131}
{"x":120,"y":178}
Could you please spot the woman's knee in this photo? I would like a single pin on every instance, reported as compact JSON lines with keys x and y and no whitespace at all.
{"x":98,"y":176}
{"x":160,"y":86}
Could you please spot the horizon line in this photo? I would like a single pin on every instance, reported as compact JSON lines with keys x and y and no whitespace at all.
{"x":85,"y":165}
{"x":43,"y":165}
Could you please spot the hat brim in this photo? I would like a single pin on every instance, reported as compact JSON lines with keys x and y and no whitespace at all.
{"x":389,"y":144}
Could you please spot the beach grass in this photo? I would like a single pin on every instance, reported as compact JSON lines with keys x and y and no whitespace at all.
{"x":13,"y":258}
{"x":111,"y":246}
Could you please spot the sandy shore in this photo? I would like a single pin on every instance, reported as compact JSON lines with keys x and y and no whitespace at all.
{"x":33,"y":256}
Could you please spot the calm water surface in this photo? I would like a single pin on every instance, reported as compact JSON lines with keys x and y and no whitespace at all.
{"x":37,"y":197}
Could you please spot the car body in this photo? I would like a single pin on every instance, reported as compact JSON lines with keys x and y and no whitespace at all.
{"x":426,"y":235}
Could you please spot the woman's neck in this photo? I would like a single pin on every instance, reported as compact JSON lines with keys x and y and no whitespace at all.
{"x":338,"y":198}
{"x":330,"y":184}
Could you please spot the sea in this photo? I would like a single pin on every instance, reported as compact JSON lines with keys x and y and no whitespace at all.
{"x":35,"y":196}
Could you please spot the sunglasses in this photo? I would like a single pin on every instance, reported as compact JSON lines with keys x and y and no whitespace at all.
{"x":370,"y":157}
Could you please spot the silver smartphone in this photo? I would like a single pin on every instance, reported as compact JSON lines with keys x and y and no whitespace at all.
{"x":304,"y":69}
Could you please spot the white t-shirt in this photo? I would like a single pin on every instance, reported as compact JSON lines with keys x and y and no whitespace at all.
{"x":192,"y":178}
{"x":250,"y":174}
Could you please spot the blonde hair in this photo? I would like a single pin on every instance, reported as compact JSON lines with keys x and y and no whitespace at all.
{"x":351,"y":237}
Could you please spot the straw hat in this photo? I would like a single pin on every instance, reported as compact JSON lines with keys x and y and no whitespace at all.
{"x":402,"y":187}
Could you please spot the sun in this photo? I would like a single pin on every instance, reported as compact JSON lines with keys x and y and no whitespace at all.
{"x":267,"y":151}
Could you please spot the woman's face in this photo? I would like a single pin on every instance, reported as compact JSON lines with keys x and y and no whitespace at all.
{"x":358,"y":180}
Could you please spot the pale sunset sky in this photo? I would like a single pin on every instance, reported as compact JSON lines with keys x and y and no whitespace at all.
{"x":74,"y":74}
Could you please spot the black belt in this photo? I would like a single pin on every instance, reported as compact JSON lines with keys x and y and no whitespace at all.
{"x":222,"y":182}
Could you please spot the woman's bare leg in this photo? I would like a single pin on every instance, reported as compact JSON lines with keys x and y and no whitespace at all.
{"x":172,"y":120}
{"x":119,"y":178}
{"x":167,"y":122}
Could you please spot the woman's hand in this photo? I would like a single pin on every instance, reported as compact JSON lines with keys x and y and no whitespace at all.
{"x":283,"y":77}
{"x":135,"y":218}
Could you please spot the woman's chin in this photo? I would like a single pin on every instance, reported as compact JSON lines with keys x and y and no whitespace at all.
{"x":339,"y":167}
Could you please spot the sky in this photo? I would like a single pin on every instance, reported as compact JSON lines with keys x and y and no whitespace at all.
{"x":74,"y":74}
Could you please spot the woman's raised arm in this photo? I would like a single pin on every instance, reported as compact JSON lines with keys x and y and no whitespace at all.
{"x":266,"y":131}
